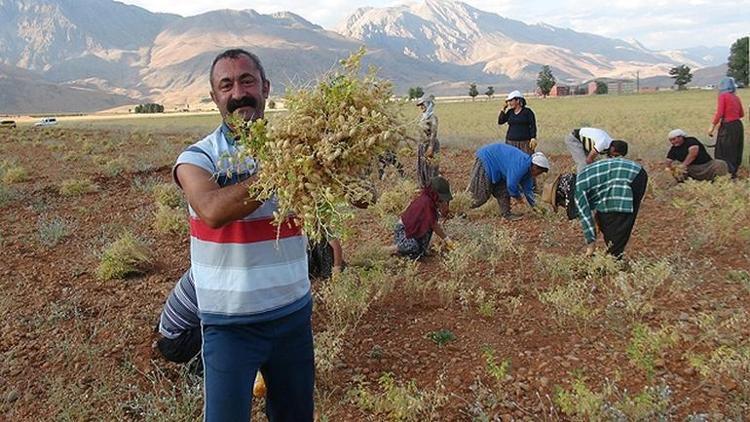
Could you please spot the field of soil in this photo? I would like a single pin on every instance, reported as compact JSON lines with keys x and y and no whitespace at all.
{"x":514,"y":325}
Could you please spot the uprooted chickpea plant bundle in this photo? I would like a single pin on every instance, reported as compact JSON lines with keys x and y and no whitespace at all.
{"x":316,"y":158}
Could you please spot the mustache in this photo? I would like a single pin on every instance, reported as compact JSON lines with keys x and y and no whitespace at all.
{"x":248,"y":101}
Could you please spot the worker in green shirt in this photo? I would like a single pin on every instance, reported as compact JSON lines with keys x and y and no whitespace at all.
{"x":609,"y":192}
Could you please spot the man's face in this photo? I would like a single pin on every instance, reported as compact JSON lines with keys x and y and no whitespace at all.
{"x":677,"y":141}
{"x":237,"y":87}
{"x":536,"y":170}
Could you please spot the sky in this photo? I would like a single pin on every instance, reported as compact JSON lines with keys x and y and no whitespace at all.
{"x":657,"y":24}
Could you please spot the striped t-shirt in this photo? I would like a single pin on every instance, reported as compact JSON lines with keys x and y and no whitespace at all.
{"x":242,"y":272}
{"x":180,"y":312}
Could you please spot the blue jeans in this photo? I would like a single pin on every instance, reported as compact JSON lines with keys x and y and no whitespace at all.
{"x":283,"y":351}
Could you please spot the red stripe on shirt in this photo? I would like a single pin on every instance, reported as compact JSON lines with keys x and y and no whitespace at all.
{"x":241,"y":231}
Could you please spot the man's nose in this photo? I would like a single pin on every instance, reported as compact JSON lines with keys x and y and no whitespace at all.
{"x":237,"y":91}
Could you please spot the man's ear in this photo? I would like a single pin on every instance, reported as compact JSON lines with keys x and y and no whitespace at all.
{"x":266,"y":88}
{"x":213,"y":97}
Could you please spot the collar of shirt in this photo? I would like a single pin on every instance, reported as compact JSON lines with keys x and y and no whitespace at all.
{"x":228,"y":134}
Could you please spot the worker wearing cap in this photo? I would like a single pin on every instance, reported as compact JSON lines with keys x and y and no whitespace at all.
{"x":413,"y":232}
{"x":586,"y":143}
{"x":688,"y":158}
{"x":505,"y":172}
{"x":521,"y":123}
{"x":608,"y":194}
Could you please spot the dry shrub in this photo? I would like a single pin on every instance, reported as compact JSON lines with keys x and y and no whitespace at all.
{"x":127,"y":255}
{"x":400,"y":401}
{"x":328,"y":346}
{"x":314,"y":156}
{"x":717,"y":212}
{"x":115,"y":166}
{"x":348,"y":295}
{"x":720,"y":351}
{"x":51,"y":230}
{"x":393,"y":201}
{"x":461,"y":203}
{"x":13,"y":173}
{"x":77,"y":187}
{"x":369,"y":255}
{"x":635,"y":289}
{"x":168,"y":195}
{"x":170,"y":220}
{"x":614,"y":403}
{"x":577,"y":266}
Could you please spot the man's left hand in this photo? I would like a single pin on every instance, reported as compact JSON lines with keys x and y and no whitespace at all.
{"x":589,"y":249}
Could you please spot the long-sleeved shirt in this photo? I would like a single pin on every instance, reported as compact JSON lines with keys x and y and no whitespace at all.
{"x":728,"y":108}
{"x":521,"y":126}
{"x":604,"y":186}
{"x":504,"y":163}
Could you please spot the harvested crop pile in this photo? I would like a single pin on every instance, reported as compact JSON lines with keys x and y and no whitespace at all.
{"x":315,"y":158}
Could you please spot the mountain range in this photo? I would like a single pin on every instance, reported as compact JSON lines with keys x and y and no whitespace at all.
{"x":87,"y":55}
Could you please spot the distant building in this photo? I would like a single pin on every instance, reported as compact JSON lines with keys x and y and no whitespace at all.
{"x":591,"y":88}
{"x":623,"y":86}
{"x":560,"y":91}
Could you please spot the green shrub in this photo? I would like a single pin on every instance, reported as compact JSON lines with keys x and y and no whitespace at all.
{"x":170,"y":220}
{"x":393,"y":202}
{"x":611,"y":403}
{"x":441,"y":337}
{"x":127,"y":255}
{"x":77,"y":187}
{"x":115,"y":167}
{"x":6,"y":195}
{"x":717,"y":212}
{"x":498,"y":370}
{"x":168,"y":195}
{"x":399,"y":401}
{"x":14,"y":174}
{"x":647,"y":345}
{"x":348,"y":295}
{"x":51,"y":231}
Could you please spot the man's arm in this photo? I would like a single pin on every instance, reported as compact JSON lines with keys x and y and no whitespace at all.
{"x":215,"y":205}
{"x":692,"y":154}
{"x":585,"y":214}
{"x":592,"y":155}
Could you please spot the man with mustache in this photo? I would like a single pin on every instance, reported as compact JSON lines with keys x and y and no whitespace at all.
{"x":252,"y":290}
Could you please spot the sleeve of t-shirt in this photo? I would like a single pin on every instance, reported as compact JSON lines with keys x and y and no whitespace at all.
{"x":196,"y":156}
{"x":672,"y":154}
{"x":532,"y":124}
{"x":602,"y":143}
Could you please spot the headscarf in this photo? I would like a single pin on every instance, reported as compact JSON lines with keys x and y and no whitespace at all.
{"x":429,"y":103}
{"x":727,"y":85}
{"x":421,"y":215}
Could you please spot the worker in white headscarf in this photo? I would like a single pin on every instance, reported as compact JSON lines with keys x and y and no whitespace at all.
{"x":429,"y":146}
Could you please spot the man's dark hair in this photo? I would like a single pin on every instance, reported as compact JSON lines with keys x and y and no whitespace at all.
{"x":620,"y":146}
{"x":235,"y":53}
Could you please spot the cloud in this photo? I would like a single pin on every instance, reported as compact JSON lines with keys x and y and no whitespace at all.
{"x":658,"y":24}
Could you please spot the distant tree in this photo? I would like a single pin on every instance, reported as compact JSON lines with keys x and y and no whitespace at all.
{"x":681,"y":75}
{"x":473,"y":92}
{"x":271,"y":104}
{"x":601,"y":88}
{"x":415,"y":92}
{"x":738,"y":61}
{"x":545,"y":80}
{"x":490,"y":92}
{"x":149,"y":108}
